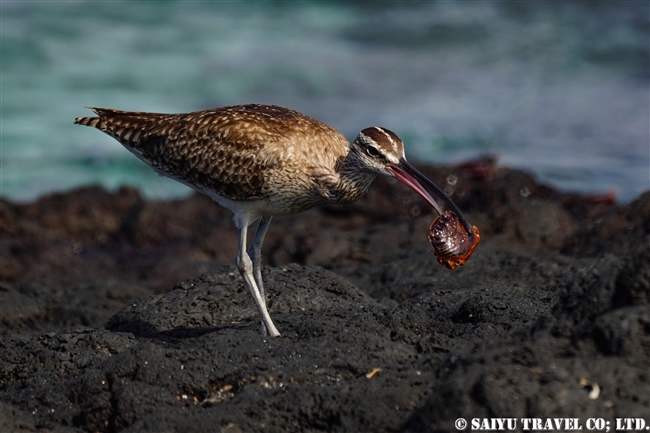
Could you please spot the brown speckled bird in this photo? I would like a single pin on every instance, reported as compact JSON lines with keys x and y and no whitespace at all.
{"x":260,"y":161}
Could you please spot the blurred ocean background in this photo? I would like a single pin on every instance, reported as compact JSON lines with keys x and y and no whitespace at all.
{"x":557,"y":88}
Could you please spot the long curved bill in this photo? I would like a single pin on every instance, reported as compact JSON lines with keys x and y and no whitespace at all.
{"x":409,"y":175}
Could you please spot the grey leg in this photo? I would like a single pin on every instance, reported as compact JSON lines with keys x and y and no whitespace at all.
{"x":255,"y":253}
{"x":245,"y":265}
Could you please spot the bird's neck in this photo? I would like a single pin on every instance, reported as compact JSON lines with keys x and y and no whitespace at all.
{"x":351,"y":181}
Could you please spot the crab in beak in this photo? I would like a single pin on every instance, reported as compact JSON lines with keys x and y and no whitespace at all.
{"x":452,"y":237}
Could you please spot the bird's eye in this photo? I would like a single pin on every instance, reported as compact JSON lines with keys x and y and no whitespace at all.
{"x":372,"y":151}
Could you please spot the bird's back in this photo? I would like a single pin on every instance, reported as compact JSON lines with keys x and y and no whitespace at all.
{"x":245,"y":152}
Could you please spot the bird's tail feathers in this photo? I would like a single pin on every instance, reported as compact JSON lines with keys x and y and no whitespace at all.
{"x":125,"y":126}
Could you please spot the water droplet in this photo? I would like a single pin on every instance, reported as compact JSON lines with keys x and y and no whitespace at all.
{"x":77,"y":247}
{"x":524,"y":192}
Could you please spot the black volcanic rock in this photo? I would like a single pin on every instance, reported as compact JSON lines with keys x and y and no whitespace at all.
{"x":121,"y":314}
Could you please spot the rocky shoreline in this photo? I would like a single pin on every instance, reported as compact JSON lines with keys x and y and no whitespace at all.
{"x":121,"y":314}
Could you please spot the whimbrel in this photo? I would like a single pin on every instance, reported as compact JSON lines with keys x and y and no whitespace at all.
{"x":260,"y":161}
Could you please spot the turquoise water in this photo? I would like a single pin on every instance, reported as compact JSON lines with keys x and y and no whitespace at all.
{"x":558,"y":89}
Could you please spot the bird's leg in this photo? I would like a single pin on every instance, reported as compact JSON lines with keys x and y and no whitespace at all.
{"x":245,"y":265}
{"x":255,"y":253}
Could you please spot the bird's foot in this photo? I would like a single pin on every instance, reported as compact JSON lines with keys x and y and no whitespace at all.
{"x":264,"y":331}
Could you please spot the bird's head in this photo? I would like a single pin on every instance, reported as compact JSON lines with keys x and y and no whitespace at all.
{"x":380,"y":151}
{"x":376,"y":149}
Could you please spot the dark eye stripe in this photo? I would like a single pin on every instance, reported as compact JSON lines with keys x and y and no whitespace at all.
{"x":372,"y":151}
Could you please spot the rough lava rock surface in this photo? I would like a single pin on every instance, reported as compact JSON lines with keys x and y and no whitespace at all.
{"x":126,"y":315}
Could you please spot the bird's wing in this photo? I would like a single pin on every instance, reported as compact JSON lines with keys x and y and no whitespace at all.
{"x":228,"y":150}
